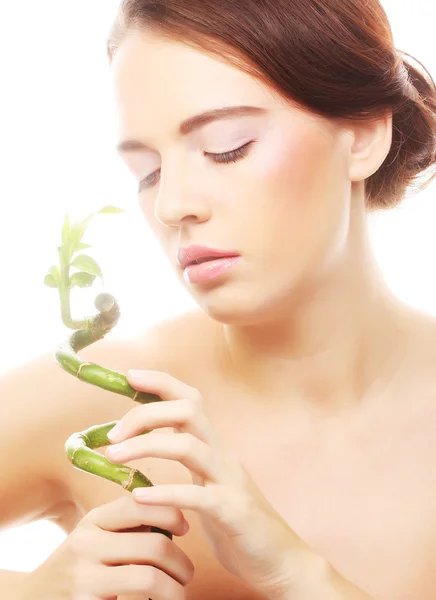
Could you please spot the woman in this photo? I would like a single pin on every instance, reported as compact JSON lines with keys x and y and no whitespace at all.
{"x":301,"y":395}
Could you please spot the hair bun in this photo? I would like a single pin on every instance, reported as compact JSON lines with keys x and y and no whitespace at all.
{"x":413,"y":152}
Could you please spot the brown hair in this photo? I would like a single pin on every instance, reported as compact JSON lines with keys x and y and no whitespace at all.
{"x":333,"y":57}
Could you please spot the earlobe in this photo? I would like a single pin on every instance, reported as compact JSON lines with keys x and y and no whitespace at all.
{"x":371,"y":142}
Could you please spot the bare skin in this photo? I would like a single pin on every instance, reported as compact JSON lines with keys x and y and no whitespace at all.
{"x":359,"y":488}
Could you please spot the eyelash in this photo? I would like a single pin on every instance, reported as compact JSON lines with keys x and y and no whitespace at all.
{"x":223,"y":158}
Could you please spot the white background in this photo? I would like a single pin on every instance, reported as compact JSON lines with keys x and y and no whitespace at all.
{"x":57,"y":143}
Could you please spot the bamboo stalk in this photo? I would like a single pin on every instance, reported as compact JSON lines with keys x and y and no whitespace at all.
{"x":80,"y":446}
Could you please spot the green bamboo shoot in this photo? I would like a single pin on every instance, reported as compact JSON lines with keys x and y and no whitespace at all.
{"x":80,"y":447}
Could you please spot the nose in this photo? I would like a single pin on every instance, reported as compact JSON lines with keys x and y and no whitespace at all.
{"x":179,"y":201}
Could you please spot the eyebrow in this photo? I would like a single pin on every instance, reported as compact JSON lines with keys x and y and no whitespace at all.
{"x":196,"y":122}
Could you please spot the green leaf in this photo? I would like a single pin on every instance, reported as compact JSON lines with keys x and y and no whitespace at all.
{"x":86,"y":263}
{"x":54,"y":272}
{"x":81,"y":246}
{"x":53,"y":277}
{"x":50,"y":281}
{"x":111,"y":210}
{"x":78,"y":228}
{"x":82,"y":280}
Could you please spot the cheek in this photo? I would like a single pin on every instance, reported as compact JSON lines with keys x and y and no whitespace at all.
{"x":301,"y":172}
{"x":300,"y":185}
{"x":294,"y":171}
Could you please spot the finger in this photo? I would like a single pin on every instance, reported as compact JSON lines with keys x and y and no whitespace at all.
{"x":191,"y":452}
{"x":85,"y":596}
{"x":202,"y":499}
{"x":182,"y":414}
{"x":234,"y":508}
{"x":104,"y":582}
{"x":164,"y":385}
{"x":154,"y":549}
{"x":125,"y":513}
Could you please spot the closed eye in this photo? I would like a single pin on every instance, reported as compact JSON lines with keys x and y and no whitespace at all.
{"x":225,"y":157}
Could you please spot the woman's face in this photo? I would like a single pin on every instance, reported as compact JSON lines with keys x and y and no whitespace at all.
{"x":283,"y":207}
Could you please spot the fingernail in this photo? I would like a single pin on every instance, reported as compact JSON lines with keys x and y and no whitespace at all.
{"x":114,"y":451}
{"x":142,"y":492}
{"x":114,"y":433}
{"x":137,"y":375}
{"x":186,"y":527}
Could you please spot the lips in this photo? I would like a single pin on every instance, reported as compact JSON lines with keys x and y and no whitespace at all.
{"x":202,"y":260}
{"x":209,"y":270}
{"x":198,"y":254}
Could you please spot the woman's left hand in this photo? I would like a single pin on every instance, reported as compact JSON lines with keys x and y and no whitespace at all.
{"x":246,"y":533}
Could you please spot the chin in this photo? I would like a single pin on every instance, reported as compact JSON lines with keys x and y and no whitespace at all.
{"x":238,"y":307}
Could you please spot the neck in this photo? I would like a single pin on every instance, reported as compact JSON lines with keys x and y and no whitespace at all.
{"x":332,"y":345}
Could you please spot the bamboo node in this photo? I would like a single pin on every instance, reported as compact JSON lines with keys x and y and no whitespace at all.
{"x":80,"y":368}
{"x":130,"y":480}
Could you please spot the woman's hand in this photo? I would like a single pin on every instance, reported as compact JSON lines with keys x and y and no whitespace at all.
{"x":109,"y":561}
{"x":246,"y":533}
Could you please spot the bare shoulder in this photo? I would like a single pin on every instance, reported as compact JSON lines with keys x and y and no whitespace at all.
{"x":178,"y":345}
{"x":193,"y":328}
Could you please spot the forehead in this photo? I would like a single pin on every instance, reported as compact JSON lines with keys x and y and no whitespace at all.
{"x":155,"y":78}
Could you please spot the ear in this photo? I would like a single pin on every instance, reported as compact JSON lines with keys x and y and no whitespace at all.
{"x":370,"y":143}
